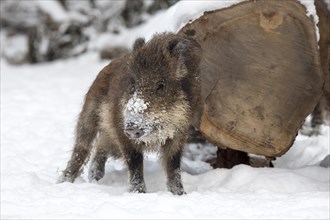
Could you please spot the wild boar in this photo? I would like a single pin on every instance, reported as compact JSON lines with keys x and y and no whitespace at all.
{"x":142,"y":102}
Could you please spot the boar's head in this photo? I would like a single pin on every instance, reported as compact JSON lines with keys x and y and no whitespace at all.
{"x":158,"y":104}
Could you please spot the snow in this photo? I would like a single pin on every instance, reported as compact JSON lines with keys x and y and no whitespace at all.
{"x":136,"y":105}
{"x":54,"y":9}
{"x":173,"y":19}
{"x":39,"y":108}
{"x":58,"y":14}
{"x":311,"y":12}
{"x":134,"y":115}
{"x":16,"y":47}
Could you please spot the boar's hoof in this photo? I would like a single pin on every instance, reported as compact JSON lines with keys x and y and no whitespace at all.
{"x":65,"y":177}
{"x":178,"y":192}
{"x":138,"y":188}
{"x":95,"y":174}
{"x":176,"y":189}
{"x":133,"y":133}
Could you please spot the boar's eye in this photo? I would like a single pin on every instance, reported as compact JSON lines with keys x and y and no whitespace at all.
{"x":160,"y":90}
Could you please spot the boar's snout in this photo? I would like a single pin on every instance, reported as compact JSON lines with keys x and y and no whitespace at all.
{"x":133,"y":132}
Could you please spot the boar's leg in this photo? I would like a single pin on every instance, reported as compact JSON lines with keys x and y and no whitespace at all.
{"x":103,"y":149}
{"x":96,"y":169}
{"x":171,"y":162}
{"x":86,"y":131}
{"x":317,"y":116}
{"x":134,"y":161}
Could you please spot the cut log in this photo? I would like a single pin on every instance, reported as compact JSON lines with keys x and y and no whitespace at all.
{"x":321,"y":113}
{"x":261,"y":74}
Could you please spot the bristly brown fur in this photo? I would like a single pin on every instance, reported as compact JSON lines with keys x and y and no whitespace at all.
{"x":164,"y":73}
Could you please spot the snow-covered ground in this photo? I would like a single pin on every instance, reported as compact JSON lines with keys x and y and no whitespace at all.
{"x":39,"y":107}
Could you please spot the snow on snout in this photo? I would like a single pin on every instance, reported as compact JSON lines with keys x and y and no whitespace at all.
{"x":134,"y":112}
{"x":136,"y":105}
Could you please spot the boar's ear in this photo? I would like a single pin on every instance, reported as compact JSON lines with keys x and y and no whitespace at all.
{"x":138,"y":43}
{"x":181,"y":50}
{"x":177,"y":46}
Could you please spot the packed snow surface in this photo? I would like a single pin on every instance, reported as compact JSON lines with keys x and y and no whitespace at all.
{"x":39,"y":108}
